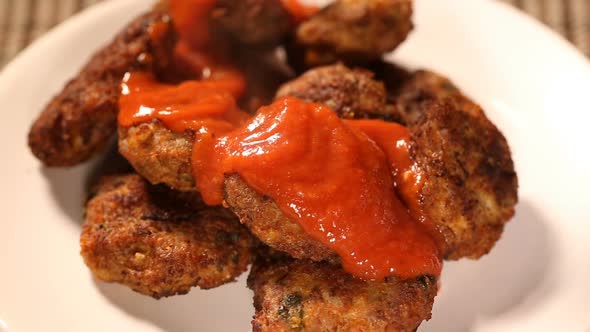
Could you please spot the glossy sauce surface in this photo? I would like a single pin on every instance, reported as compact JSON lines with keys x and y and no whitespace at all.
{"x":195,"y":105}
{"x":328,"y":176}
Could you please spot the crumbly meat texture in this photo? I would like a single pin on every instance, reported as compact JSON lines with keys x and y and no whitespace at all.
{"x":159,"y":154}
{"x":79,"y":122}
{"x":266,"y":220}
{"x":354,"y":31}
{"x":159,"y":242}
{"x":470,"y":186}
{"x":352,"y":93}
{"x":299,"y":295}
{"x":258,"y":23}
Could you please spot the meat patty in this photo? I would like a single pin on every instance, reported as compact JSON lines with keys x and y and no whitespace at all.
{"x":470,"y":186}
{"x":79,"y":122}
{"x":260,"y":23}
{"x":354,"y":31}
{"x":159,"y":242}
{"x":299,"y":295}
{"x":352,"y":93}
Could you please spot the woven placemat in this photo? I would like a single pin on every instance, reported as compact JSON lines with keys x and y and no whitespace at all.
{"x":22,"y":21}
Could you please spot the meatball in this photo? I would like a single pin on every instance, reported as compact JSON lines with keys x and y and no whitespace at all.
{"x":470,"y":186}
{"x":80,"y":121}
{"x":352,"y":93}
{"x":299,"y":295}
{"x":159,"y":242}
{"x":355,"y":31}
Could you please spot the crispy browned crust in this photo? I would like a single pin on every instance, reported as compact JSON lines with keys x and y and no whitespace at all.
{"x":266,"y":220}
{"x":81,"y":119}
{"x":159,"y":154}
{"x":260,"y":23}
{"x":299,"y":295}
{"x":355,"y":30}
{"x":470,"y":187}
{"x":352,"y":93}
{"x":409,"y":93}
{"x":158,"y":242}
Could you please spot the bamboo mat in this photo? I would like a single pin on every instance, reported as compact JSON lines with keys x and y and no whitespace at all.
{"x":22,"y":21}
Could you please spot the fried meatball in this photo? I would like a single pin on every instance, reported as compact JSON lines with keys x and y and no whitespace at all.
{"x":354,"y":31}
{"x":470,"y":186}
{"x":159,"y":154}
{"x":158,"y":242}
{"x":261,"y":23}
{"x":79,"y":122}
{"x":299,"y":295}
{"x":352,"y":93}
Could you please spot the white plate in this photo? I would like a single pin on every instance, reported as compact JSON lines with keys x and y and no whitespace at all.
{"x":534,"y":86}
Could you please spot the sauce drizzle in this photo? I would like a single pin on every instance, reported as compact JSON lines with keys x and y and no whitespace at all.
{"x":328,"y":176}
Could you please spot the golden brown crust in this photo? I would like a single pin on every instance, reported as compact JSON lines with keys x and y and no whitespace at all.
{"x":82,"y":118}
{"x":470,"y":184}
{"x":408,"y":95}
{"x":159,"y":242}
{"x":159,"y":154}
{"x":355,"y":31}
{"x":298,"y":295}
{"x":352,"y":93}
{"x":266,"y":220}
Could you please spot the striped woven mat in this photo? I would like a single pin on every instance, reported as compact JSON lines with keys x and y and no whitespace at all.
{"x":22,"y":21}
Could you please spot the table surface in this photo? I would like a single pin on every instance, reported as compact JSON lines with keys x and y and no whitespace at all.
{"x":22,"y":21}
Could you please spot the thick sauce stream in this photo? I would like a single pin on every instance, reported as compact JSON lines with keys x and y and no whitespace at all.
{"x":350,"y":184}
